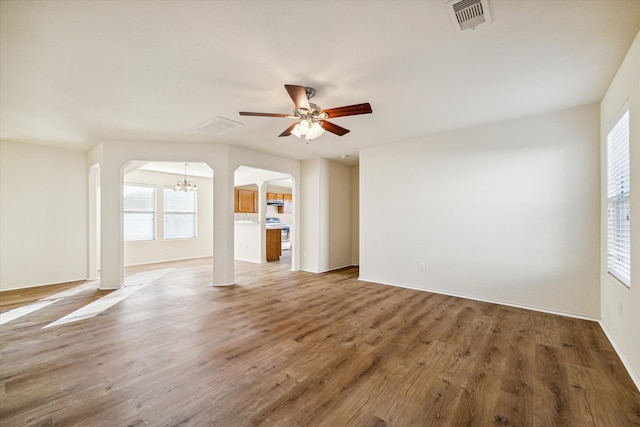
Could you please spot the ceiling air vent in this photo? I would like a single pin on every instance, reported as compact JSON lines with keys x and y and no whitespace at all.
{"x":219,"y":125}
{"x":468,"y":14}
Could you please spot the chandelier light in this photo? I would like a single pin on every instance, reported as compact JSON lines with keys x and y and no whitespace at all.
{"x":308,"y":129}
{"x":184,"y":185}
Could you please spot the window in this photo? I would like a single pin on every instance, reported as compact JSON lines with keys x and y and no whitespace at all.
{"x":179,"y":214}
{"x":618,"y":212}
{"x":139,"y":213}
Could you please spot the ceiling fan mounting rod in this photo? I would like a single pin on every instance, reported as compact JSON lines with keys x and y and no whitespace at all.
{"x":312,"y":113}
{"x":311,"y":92}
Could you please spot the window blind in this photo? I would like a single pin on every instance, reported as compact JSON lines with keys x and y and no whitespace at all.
{"x":618,"y":191}
{"x":139,"y":207}
{"x":179,"y":214}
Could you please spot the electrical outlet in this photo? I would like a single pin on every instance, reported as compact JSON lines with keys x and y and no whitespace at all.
{"x":304,"y":253}
{"x":620,"y":309}
{"x":421,"y":266}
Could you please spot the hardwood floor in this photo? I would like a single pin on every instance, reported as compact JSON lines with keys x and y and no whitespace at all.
{"x":299,"y":349}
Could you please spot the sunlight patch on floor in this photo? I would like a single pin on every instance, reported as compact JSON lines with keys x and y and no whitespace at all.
{"x":16,"y":313}
{"x":132,"y":285}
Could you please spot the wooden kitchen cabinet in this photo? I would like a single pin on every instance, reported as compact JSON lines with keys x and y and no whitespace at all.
{"x":245,"y":201}
{"x":248,"y":201}
{"x":274,"y":244}
{"x":285,"y":199}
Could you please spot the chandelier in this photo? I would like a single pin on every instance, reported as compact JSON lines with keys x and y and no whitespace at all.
{"x":184,"y":185}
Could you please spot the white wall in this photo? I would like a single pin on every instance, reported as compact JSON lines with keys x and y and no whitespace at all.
{"x":160,"y":250}
{"x":507,"y":212}
{"x":247,"y":241}
{"x":32,"y":225}
{"x":622,"y":327}
{"x":309,"y":229}
{"x":326,"y":215}
{"x":339,"y":222}
{"x":355,"y":215}
{"x":43,"y":225}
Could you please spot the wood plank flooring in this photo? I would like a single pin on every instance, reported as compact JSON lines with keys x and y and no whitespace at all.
{"x":299,"y":349}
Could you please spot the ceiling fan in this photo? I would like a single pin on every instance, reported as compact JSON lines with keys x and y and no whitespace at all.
{"x":312,"y":119}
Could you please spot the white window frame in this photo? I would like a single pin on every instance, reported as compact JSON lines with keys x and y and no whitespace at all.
{"x":140,"y":211}
{"x":167,"y":214}
{"x":618,"y":198}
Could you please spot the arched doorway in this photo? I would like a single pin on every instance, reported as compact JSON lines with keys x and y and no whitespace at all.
{"x":172,"y":228}
{"x":263,"y":211}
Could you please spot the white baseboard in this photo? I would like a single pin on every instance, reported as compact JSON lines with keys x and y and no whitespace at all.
{"x":632,"y":373}
{"x":634,"y":376}
{"x":489,"y":300}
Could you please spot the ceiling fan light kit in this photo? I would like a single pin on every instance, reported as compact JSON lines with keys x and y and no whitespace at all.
{"x":307,"y":129}
{"x":313,"y":120}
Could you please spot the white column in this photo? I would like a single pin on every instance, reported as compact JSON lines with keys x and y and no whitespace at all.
{"x":262,"y":218}
{"x":93,"y":222}
{"x":111,"y":245}
{"x":223,"y":227}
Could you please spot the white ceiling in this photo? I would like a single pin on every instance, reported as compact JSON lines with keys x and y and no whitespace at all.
{"x":75,"y":73}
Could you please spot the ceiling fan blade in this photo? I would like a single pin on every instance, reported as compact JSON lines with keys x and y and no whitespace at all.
{"x":246,"y":113}
{"x":338,"y":130}
{"x":299,"y":96}
{"x":288,"y":130}
{"x":350,"y":110}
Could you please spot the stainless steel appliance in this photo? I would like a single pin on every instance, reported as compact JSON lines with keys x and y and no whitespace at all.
{"x":274,"y":222}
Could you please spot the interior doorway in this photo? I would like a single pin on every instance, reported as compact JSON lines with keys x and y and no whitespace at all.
{"x":264,"y":216}
{"x":169,"y":227}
